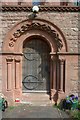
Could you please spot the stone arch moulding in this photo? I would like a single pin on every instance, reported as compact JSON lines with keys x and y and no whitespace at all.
{"x":13,"y":48}
{"x":39,"y":27}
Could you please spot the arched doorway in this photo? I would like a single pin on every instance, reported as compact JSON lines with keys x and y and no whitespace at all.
{"x":43,"y":40}
{"x":36,"y":66}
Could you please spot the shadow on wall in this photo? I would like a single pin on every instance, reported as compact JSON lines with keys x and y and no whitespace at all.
{"x":55,"y":97}
{"x":79,"y":55}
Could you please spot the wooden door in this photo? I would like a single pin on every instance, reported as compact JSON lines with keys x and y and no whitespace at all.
{"x":36,"y":66}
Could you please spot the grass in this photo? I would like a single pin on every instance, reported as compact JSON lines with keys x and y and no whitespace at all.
{"x":16,"y":106}
{"x":11,"y":107}
{"x":75,"y":114}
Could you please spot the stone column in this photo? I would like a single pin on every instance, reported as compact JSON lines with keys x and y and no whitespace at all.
{"x":61,"y":76}
{"x":9,"y":74}
{"x":17,"y":74}
{"x":53,"y":75}
{"x":17,"y":78}
{"x":51,"y":72}
{"x":58,"y":75}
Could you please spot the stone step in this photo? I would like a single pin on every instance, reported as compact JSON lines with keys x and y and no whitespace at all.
{"x":37,"y":103}
{"x":36,"y":99}
{"x":36,"y":96}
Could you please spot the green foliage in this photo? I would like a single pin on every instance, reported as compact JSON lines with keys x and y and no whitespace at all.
{"x":79,"y":105}
{"x":74,"y":113}
{"x":70,"y":102}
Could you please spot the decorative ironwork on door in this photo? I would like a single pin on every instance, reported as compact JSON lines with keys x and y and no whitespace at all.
{"x":36,"y":66}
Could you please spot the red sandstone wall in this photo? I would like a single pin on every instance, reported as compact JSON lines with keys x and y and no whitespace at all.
{"x":68,"y":23}
{"x":43,"y":2}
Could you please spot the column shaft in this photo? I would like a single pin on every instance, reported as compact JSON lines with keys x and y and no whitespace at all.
{"x":17,"y":74}
{"x":9,"y":76}
{"x":9,"y":73}
{"x":54,"y":74}
{"x":62,"y":75}
{"x":51,"y":74}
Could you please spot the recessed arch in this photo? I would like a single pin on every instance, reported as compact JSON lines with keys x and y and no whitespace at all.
{"x":39,"y":37}
{"x":34,"y":33}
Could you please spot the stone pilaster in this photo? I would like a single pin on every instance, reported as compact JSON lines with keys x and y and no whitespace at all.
{"x":53,"y":75}
{"x":62,"y":76}
{"x":17,"y":73}
{"x":9,"y":61}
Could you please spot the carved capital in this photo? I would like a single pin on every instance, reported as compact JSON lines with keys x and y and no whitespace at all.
{"x":62,"y":61}
{"x":9,"y":59}
{"x":52,"y":57}
{"x":17,"y":59}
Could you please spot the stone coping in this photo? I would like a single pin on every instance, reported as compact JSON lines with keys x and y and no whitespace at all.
{"x":14,"y":8}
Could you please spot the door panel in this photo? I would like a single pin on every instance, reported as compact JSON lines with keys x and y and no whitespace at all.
{"x":36,"y":66}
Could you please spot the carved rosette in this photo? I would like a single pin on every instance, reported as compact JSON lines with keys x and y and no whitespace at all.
{"x":43,"y":27}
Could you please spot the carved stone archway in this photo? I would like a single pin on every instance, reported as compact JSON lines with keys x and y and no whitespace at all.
{"x":12,"y":55}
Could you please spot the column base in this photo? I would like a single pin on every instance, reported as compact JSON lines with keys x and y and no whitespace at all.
{"x":60,"y":92}
{"x":57,"y":96}
{"x":61,"y":95}
{"x":54,"y":96}
{"x":17,"y":93}
{"x":9,"y":96}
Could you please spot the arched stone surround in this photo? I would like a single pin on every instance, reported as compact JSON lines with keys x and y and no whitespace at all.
{"x":12,"y":55}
